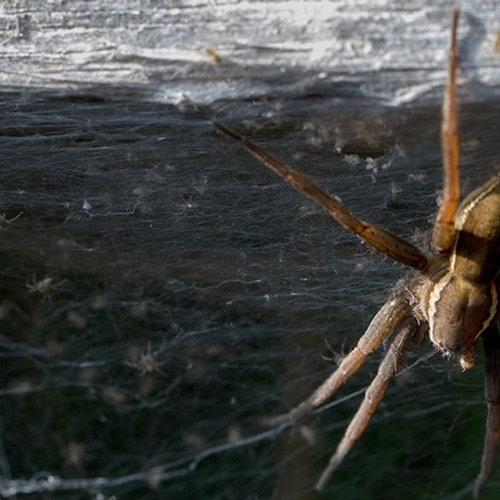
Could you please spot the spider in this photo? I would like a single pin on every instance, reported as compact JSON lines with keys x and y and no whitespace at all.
{"x":44,"y":286}
{"x":147,"y":362}
{"x":212,"y":53}
{"x":453,"y":299}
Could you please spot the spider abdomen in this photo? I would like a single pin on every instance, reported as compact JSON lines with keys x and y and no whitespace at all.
{"x":476,"y":256}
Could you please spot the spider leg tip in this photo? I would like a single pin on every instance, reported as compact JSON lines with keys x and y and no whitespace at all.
{"x":477,"y":487}
{"x":327,"y":473}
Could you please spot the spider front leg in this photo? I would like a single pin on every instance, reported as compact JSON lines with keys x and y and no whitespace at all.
{"x":389,"y":316}
{"x":403,"y":335}
{"x":381,"y":240}
{"x":491,"y":344}
{"x":444,"y":228}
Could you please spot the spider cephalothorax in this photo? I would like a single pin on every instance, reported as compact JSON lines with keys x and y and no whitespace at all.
{"x":453,"y":300}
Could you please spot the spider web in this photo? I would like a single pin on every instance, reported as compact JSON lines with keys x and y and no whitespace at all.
{"x":157,"y":232}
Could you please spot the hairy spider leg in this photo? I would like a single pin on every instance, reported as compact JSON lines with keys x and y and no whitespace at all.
{"x":444,"y":232}
{"x":386,"y":320}
{"x":491,"y":344}
{"x":381,"y":240}
{"x":400,"y":341}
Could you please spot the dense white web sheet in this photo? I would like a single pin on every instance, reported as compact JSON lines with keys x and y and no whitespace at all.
{"x":164,"y":239}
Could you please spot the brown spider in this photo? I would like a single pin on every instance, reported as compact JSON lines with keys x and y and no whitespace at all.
{"x":214,"y":56}
{"x":453,"y":300}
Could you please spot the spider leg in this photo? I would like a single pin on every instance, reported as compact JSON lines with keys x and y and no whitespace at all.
{"x":373,"y":395}
{"x":444,"y":228}
{"x":389,"y":316}
{"x":491,"y":344}
{"x":383,"y":241}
